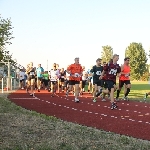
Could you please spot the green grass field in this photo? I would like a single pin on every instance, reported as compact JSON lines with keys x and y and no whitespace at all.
{"x":21,"y":129}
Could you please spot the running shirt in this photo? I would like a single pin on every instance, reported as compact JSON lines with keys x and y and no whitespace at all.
{"x":21,"y":75}
{"x":75,"y":69}
{"x":39,"y":72}
{"x":45,"y":76}
{"x":54,"y":75}
{"x":31,"y":73}
{"x":126,"y":71}
{"x":97,"y":71}
{"x":67,"y":76}
{"x":84,"y":76}
{"x":111,"y":71}
{"x":62,"y":75}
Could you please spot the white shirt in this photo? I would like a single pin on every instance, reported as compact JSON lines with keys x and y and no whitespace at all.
{"x":67,"y":76}
{"x":84,"y":75}
{"x":21,"y":75}
{"x":54,"y":75}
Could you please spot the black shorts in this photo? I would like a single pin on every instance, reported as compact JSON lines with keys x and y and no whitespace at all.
{"x":22,"y":80}
{"x":54,"y":82}
{"x":66,"y":82}
{"x":110,"y":84}
{"x":122,"y":82}
{"x":97,"y":82}
{"x":83,"y":83}
{"x":73,"y":82}
{"x":39,"y":78}
{"x":62,"y":80}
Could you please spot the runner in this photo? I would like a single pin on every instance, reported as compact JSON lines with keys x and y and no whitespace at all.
{"x":90,"y":83}
{"x":62,"y":79}
{"x":111,"y":69}
{"x":54,"y":73}
{"x":31,"y":78}
{"x":97,"y":71}
{"x":83,"y":82}
{"x":124,"y":79}
{"x":75,"y":71}
{"x":46,"y":79}
{"x":22,"y":78}
{"x":39,"y":72}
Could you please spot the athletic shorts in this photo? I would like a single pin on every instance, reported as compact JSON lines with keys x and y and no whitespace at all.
{"x":122,"y":82}
{"x":22,"y":80}
{"x":73,"y":82}
{"x":62,"y":80}
{"x":97,"y":82}
{"x":54,"y":82}
{"x":39,"y":78}
{"x":110,"y":84}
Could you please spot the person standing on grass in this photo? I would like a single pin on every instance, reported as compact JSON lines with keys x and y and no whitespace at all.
{"x":96,"y":71}
{"x":75,"y":71}
{"x":124,"y":79}
{"x":111,"y":69}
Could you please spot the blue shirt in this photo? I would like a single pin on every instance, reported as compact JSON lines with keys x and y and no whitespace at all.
{"x":39,"y":71}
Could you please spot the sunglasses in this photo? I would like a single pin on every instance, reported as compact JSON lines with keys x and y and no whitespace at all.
{"x":127,"y":60}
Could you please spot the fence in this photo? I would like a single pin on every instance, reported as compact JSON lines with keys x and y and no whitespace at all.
{"x":14,"y":84}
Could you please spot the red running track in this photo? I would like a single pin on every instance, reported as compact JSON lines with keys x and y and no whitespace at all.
{"x":131,"y":118}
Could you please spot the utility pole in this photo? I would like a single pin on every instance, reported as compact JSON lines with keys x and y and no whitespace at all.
{"x":9,"y":75}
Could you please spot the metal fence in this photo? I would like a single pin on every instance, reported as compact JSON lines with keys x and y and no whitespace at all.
{"x":4,"y":84}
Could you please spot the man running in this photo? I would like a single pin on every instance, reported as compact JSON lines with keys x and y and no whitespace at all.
{"x":111,"y":69}
{"x":75,"y":71}
{"x":39,"y":72}
{"x":124,"y":79}
{"x":90,"y":81}
{"x":54,"y":73}
{"x":97,"y":71}
{"x":31,"y":78}
{"x":62,"y":79}
{"x":22,"y":78}
{"x":83,"y":81}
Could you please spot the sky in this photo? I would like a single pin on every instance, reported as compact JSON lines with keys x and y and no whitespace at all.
{"x":60,"y":30}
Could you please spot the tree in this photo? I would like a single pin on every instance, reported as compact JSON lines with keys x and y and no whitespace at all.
{"x":138,"y":60}
{"x":107,"y":53}
{"x":5,"y":36}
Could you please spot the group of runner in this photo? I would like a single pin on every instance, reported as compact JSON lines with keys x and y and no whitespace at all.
{"x":101,"y":79}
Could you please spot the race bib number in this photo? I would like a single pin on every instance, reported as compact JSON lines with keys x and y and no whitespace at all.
{"x":31,"y":73}
{"x":62,"y":77}
{"x":98,"y":73}
{"x":126,"y":75}
{"x":113,"y":71}
{"x":76,"y":75}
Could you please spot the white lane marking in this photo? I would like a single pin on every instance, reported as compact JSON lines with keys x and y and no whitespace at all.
{"x":92,"y":112}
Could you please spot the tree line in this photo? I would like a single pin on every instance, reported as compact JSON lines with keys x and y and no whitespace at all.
{"x":138,"y":60}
